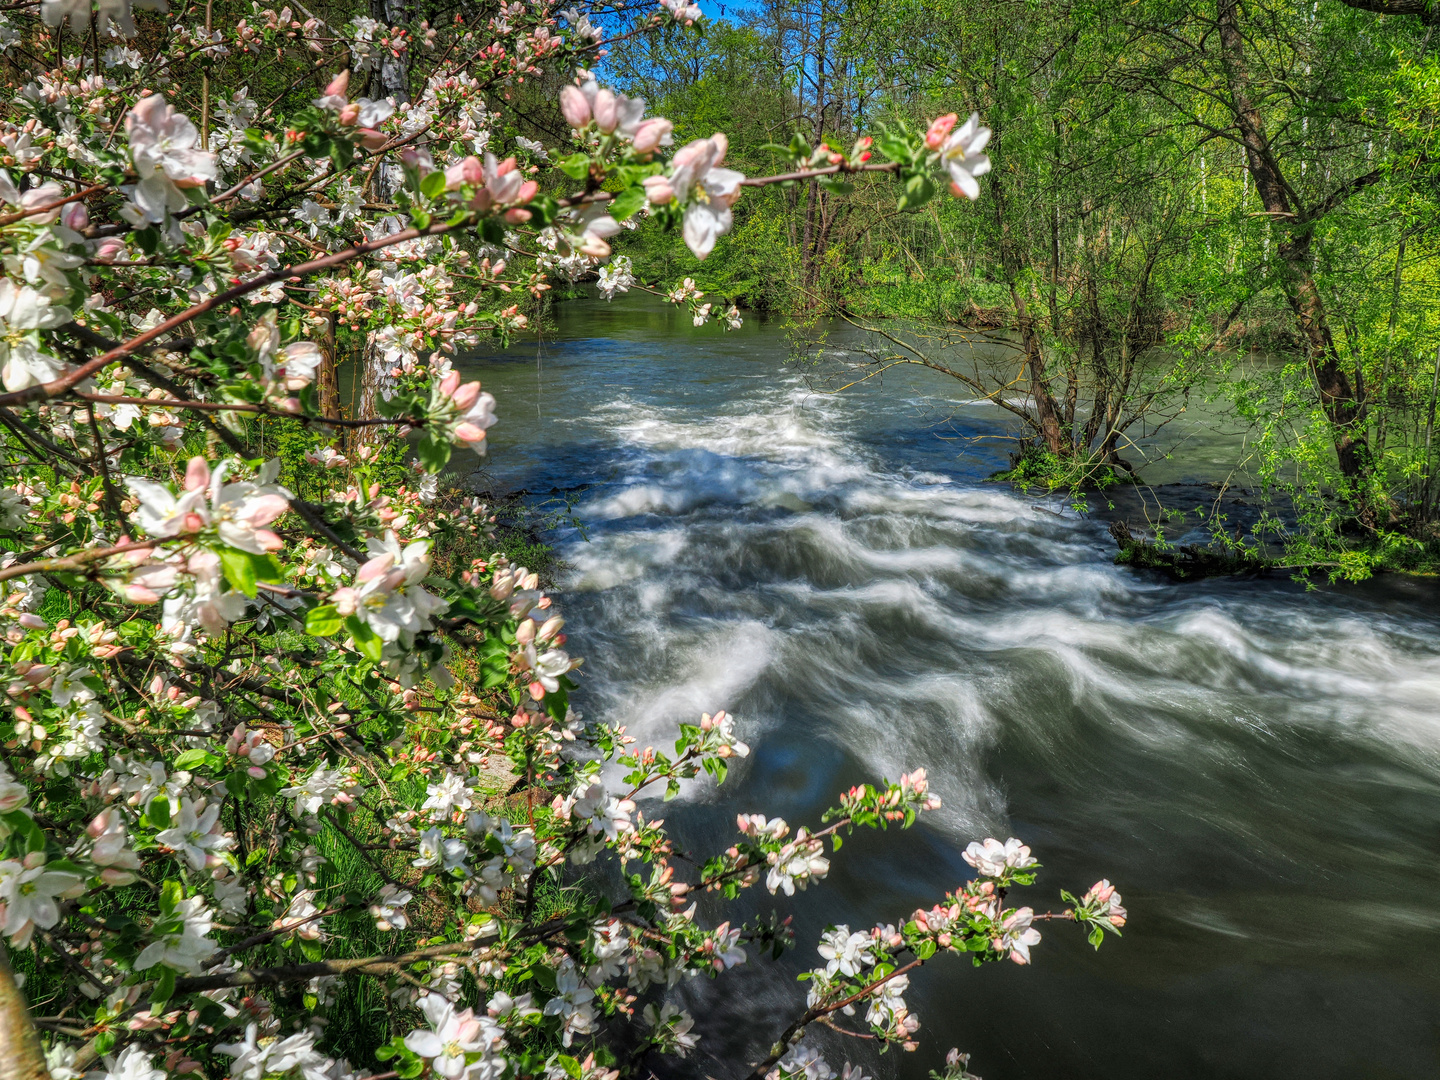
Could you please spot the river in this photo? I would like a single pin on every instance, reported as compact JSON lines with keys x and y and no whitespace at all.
{"x":1255,"y":766}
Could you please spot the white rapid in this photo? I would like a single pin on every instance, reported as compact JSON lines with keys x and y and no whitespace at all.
{"x":1255,"y":765}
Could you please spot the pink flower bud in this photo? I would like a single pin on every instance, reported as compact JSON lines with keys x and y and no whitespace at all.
{"x":607,"y":116}
{"x":939,"y":129}
{"x":412,"y":159}
{"x":75,"y":216}
{"x":658,"y":190}
{"x":469,"y":171}
{"x":112,"y":247}
{"x":197,"y":474}
{"x":465,"y":396}
{"x":517,"y":216}
{"x":574,"y":106}
{"x":375,"y":568}
{"x":652,"y":133}
{"x":338,"y":86}
{"x":350,"y":114}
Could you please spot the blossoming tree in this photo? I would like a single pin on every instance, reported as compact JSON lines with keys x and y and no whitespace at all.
{"x":252,"y":731}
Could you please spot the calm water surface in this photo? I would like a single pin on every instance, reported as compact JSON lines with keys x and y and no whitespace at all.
{"x":1256,"y":767}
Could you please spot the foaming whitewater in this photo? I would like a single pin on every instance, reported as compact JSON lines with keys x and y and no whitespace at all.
{"x":1257,"y":766}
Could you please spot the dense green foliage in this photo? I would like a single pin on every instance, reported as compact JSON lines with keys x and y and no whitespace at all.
{"x":1215,"y":199}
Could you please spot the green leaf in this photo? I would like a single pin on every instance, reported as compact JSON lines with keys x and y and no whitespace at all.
{"x":164,"y":990}
{"x":158,"y":812}
{"x":627,"y":202}
{"x":575,"y":166}
{"x":169,"y":897}
{"x":244,"y":568}
{"x":323,"y":621}
{"x":492,"y":231}
{"x":433,"y":186}
{"x":190,"y":759}
{"x":366,"y":640}
{"x":434,"y":449}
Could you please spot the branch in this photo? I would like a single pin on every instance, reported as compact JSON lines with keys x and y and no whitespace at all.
{"x":80,"y":560}
{"x":19,"y":215}
{"x":1340,"y":194}
{"x":68,"y":381}
{"x":369,"y":965}
{"x":1426,"y":9}
{"x":816,"y":1012}
{"x":221,"y":406}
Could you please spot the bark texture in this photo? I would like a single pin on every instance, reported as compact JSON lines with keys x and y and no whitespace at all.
{"x":1341,"y":399}
{"x":21,"y":1057}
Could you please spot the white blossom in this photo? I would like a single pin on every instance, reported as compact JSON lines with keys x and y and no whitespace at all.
{"x":187,"y":946}
{"x":994,"y":859}
{"x":846,"y":953}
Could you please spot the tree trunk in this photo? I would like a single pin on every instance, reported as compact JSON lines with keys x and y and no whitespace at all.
{"x":1343,"y":406}
{"x":1047,"y":413}
{"x":807,"y":242}
{"x":327,"y":385}
{"x":1382,"y":390}
{"x":21,"y":1057}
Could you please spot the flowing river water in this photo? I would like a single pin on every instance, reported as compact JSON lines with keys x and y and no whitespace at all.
{"x":1254,"y":765}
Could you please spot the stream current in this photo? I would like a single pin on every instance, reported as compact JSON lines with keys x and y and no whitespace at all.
{"x":1255,"y":766}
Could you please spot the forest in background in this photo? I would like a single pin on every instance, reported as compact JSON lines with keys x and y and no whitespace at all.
{"x":1178,"y":189}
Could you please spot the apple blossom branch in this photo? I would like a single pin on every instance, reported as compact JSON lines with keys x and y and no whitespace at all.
{"x":791,"y":1034}
{"x":259,"y":410}
{"x":78,"y":561}
{"x":20,"y":215}
{"x":68,"y":381}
